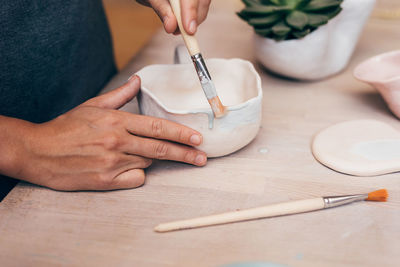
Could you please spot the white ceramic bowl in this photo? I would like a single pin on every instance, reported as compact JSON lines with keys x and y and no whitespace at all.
{"x":383,"y":72}
{"x":173,"y":92}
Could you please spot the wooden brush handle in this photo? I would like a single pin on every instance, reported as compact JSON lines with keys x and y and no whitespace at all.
{"x":243,"y":215}
{"x":190,"y":40}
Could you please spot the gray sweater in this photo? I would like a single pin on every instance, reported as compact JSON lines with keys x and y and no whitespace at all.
{"x":54,"y":55}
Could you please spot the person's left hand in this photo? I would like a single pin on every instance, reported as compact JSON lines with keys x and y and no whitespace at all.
{"x":194,"y":12}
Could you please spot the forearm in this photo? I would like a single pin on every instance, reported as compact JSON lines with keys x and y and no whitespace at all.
{"x":12,"y":132}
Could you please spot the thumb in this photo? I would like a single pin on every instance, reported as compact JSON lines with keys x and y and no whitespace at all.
{"x":117,"y":97}
{"x":130,"y":179}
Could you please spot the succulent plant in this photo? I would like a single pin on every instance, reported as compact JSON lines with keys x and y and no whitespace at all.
{"x":288,"y":19}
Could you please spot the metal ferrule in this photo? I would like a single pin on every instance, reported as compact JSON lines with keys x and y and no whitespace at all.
{"x":201,"y":68}
{"x":334,"y":201}
{"x":204,"y":76}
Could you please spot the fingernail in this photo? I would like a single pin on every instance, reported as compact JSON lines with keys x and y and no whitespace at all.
{"x":132,"y":77}
{"x":200,"y":159}
{"x":165,"y":21}
{"x":195,"y":139}
{"x":192,"y":26}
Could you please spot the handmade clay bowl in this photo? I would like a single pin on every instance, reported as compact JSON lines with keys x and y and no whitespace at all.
{"x":173,"y":92}
{"x":383,"y":72}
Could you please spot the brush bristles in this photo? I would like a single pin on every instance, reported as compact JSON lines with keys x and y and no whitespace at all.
{"x":379,"y":195}
{"x":217,"y":107}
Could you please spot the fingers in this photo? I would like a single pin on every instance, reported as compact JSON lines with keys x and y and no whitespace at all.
{"x":121,"y":176}
{"x":204,"y":6}
{"x":117,"y":97}
{"x":189,"y":10}
{"x":134,"y":162}
{"x":156,"y":128}
{"x":158,"y":149}
{"x":161,"y":129}
{"x":164,"y":11}
{"x":193,"y":13}
{"x":129,"y":179}
{"x":144,"y":2}
{"x":129,"y":175}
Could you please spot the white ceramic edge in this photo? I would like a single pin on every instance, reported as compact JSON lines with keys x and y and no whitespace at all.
{"x":371,"y":60}
{"x":206,"y":110}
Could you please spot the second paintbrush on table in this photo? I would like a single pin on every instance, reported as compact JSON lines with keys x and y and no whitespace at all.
{"x":273,"y":210}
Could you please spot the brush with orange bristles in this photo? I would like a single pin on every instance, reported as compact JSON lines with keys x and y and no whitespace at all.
{"x":279,"y":209}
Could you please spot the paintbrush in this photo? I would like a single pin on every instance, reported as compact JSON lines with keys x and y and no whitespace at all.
{"x":273,"y":210}
{"x":192,"y":46}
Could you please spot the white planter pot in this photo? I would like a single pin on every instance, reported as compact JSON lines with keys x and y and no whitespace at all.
{"x":322,"y":53}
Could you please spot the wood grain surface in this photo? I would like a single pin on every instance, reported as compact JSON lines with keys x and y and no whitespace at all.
{"x":42,"y":227}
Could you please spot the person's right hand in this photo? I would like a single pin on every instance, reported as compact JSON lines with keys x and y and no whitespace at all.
{"x":97,"y":147}
{"x":193,"y":13}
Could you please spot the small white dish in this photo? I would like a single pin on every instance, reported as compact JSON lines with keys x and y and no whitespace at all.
{"x":383,"y":73}
{"x":360,"y":147}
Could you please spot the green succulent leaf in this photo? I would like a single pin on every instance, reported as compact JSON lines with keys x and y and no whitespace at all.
{"x":331,"y":13}
{"x":297,"y":19}
{"x":274,"y":2}
{"x":302,"y":4}
{"x":288,"y":19}
{"x":281,"y":38}
{"x":242,"y":16}
{"x":263,"y":32}
{"x":301,"y":34}
{"x":281,"y":29}
{"x":318,"y":5}
{"x":251,"y":2}
{"x":315,"y":20}
{"x":291,"y":3}
{"x":265,"y":21}
{"x":263,"y":10}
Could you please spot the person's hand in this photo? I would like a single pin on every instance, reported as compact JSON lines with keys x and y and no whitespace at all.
{"x":194,"y":12}
{"x":96,"y":147}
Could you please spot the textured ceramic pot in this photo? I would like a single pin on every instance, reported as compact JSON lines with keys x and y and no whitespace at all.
{"x":173,"y":92}
{"x":321,"y":53}
{"x":383,"y":72}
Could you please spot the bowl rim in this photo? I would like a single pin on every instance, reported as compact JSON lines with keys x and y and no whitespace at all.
{"x":373,"y":59}
{"x":208,"y":109}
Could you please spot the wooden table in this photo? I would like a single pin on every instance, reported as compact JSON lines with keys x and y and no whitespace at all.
{"x":43,"y":227}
